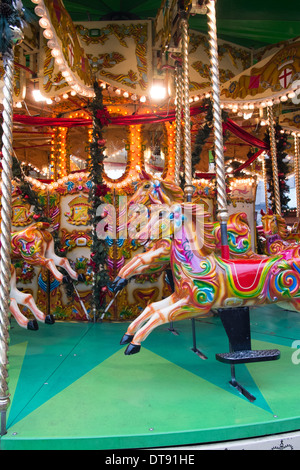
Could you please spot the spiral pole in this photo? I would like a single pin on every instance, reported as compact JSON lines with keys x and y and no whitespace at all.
{"x":5,"y":238}
{"x":178,"y":94}
{"x":274,"y":160}
{"x":264,"y":172}
{"x":297,"y":175}
{"x":218,"y":130}
{"x":188,"y":188}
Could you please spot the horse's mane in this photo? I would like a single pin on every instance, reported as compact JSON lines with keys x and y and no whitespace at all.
{"x":173,"y":192}
{"x":198,"y":216}
{"x":281,"y":224}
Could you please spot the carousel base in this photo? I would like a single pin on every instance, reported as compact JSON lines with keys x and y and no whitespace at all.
{"x":72,"y":387}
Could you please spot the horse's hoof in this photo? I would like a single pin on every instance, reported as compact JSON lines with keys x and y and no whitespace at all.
{"x":132,"y":349}
{"x":81,"y":277}
{"x":32,"y":325}
{"x":49,"y":320}
{"x":126,"y":339}
{"x":118,"y":284}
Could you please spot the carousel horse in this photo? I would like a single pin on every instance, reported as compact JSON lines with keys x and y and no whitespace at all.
{"x":204,"y":281}
{"x":277,"y":236}
{"x":35,"y":245}
{"x":152,"y":191}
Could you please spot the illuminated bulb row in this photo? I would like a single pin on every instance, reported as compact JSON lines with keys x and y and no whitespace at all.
{"x":61,"y":181}
{"x":90,"y":140}
{"x":56,"y":52}
{"x":244,"y":181}
{"x":38,"y":97}
{"x":203,"y":182}
{"x":34,"y":168}
{"x":62,"y":157}
{"x":53,"y":154}
{"x":36,"y":183}
{"x":125,"y":94}
{"x":135,"y":152}
{"x":171,"y":149}
{"x":290,"y":132}
{"x":196,"y":98}
{"x":79,"y":115}
{"x":235,"y":106}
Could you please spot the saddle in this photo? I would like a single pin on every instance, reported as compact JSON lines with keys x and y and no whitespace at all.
{"x":247,"y":277}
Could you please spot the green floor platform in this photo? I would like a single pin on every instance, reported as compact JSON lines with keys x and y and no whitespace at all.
{"x":72,"y":387}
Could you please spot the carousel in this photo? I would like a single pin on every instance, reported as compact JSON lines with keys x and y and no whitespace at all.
{"x":150,"y":204}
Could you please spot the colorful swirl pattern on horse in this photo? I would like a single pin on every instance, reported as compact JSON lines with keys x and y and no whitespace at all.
{"x":204,"y":281}
{"x":277,"y":236}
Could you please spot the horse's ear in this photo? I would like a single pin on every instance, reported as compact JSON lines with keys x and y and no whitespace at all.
{"x":270,"y":212}
{"x":174,"y":191}
{"x":262,"y":212}
{"x":145,"y":175}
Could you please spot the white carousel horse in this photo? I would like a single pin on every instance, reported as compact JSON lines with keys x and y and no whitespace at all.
{"x":205,"y":281}
{"x":35,"y":245}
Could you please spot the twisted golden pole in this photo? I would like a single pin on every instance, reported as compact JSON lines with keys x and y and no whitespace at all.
{"x":188,"y":188}
{"x":274,"y":160}
{"x":218,"y":129}
{"x":297,"y":175}
{"x":178,"y":94}
{"x":5,"y":238}
{"x":264,"y":172}
{"x":6,"y":207}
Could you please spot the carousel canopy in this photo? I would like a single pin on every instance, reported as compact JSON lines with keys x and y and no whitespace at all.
{"x":75,"y":41}
{"x":251,"y":24}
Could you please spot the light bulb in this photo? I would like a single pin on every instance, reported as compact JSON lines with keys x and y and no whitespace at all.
{"x":44,"y":23}
{"x":158,"y":92}
{"x":37,"y":95}
{"x":47,"y":33}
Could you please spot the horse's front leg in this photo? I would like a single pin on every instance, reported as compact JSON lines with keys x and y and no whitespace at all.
{"x":144,"y":316}
{"x":152,"y":261}
{"x":159,"y":316}
{"x":59,"y":261}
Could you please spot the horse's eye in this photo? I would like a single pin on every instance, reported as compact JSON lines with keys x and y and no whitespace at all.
{"x":147,"y":186}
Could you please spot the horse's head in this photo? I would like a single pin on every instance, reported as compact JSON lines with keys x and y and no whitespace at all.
{"x":273,"y":224}
{"x":151,"y":192}
{"x":156,"y":191}
{"x":269,"y":223}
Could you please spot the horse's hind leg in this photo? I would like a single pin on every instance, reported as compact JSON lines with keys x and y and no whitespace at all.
{"x":22,"y":321}
{"x":159,"y":317}
{"x":143,"y":317}
{"x":28,"y":301}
